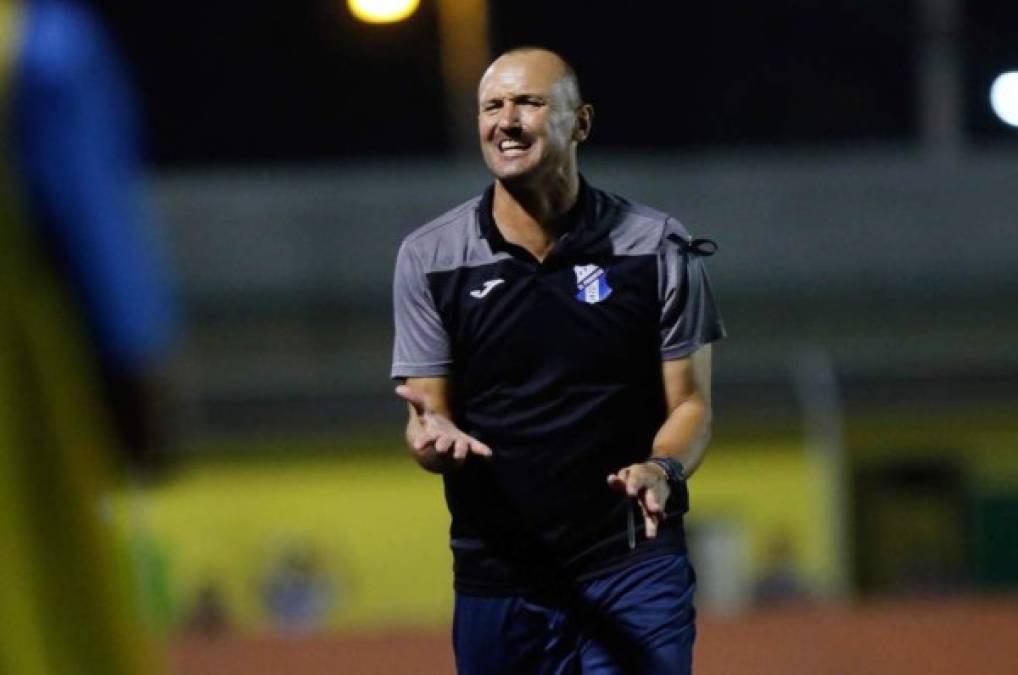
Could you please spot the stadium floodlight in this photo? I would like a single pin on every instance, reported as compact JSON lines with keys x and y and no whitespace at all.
{"x":382,"y":11}
{"x":1004,"y":97}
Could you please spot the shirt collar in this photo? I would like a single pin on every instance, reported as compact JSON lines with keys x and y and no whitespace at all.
{"x":581,"y":216}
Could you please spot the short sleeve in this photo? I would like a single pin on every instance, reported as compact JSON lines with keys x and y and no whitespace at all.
{"x":689,"y":314}
{"x":421,"y":347}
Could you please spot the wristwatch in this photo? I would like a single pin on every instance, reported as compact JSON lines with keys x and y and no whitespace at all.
{"x":675,"y":473}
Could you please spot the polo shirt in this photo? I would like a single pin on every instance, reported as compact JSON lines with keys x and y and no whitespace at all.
{"x":556,"y":365}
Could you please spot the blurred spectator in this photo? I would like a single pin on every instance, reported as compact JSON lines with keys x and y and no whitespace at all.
{"x":85,"y":320}
{"x":296,"y":593}
{"x":209,"y":616}
{"x":780,"y":582}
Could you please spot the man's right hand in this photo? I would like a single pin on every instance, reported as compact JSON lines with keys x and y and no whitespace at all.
{"x":436,"y":442}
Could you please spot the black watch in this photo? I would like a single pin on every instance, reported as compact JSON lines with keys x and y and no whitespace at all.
{"x":675,"y":473}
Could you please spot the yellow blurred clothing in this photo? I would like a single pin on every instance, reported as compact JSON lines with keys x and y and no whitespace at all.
{"x":65,"y":602}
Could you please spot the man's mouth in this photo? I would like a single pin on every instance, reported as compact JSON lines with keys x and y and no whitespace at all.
{"x":511,"y":147}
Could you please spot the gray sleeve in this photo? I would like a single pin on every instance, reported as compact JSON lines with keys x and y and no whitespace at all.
{"x":689,"y":315}
{"x":421,"y":347}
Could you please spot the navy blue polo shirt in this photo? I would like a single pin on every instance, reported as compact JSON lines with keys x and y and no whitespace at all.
{"x":556,"y":365}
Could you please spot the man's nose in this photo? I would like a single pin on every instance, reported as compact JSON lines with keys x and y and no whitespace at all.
{"x":508,"y":117}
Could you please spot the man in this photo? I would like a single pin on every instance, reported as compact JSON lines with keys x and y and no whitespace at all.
{"x":555,"y":345}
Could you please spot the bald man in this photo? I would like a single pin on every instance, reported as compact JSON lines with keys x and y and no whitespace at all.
{"x":553,"y":346}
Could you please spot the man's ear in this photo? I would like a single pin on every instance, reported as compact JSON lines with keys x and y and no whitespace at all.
{"x":584,"y":122}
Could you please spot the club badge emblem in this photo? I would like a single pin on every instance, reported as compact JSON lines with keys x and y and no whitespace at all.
{"x":591,"y":284}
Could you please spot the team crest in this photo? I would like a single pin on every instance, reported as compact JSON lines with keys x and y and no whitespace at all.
{"x":591,"y":283}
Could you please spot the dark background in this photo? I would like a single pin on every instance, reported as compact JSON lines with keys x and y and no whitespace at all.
{"x":226,"y":82}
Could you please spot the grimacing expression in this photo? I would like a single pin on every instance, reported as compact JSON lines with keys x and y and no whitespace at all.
{"x":529,"y":116}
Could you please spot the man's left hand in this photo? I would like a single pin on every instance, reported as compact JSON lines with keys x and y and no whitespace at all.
{"x":648,"y":485}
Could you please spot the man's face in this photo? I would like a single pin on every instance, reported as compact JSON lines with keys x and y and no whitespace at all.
{"x":528,"y":117}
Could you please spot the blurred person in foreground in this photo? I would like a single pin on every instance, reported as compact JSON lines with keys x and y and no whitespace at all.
{"x":554,"y":342}
{"x":85,"y":319}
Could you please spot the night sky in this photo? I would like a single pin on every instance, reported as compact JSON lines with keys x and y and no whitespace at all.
{"x":228,"y":82}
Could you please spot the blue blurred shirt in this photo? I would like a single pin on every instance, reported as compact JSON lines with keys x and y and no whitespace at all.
{"x":76,"y":144}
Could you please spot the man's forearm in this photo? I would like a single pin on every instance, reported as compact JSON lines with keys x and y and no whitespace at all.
{"x":685,"y":434}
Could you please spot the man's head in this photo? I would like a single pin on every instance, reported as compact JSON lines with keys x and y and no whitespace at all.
{"x":531,"y":116}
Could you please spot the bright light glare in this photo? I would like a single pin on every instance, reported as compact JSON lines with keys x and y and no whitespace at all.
{"x":1004,"y":97}
{"x":382,"y":11}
